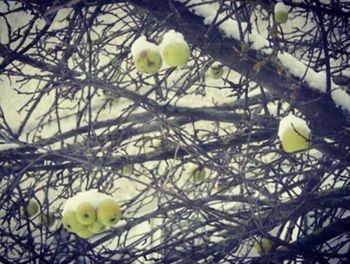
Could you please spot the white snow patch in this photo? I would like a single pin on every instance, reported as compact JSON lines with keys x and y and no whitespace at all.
{"x":230,"y":26}
{"x":8,"y":146}
{"x":91,"y":196}
{"x":346,"y":72}
{"x":141,"y":44}
{"x":172,"y":37}
{"x":281,"y":7}
{"x":340,"y":97}
{"x":315,"y":153}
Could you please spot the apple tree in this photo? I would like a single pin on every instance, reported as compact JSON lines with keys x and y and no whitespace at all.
{"x":187,"y":136}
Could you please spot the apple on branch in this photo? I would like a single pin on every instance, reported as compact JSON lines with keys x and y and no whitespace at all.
{"x":198,"y":174}
{"x":294,"y":134}
{"x":146,"y":56}
{"x":108,"y":212}
{"x":90,"y":212}
{"x":86,"y":213}
{"x":71,"y":223}
{"x":32,"y":208}
{"x":127,"y":169}
{"x":263,"y":246}
{"x":281,"y":13}
{"x":174,"y":49}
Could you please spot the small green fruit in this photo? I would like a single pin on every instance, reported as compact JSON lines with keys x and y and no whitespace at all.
{"x":216,"y":71}
{"x":127,"y":169}
{"x":86,"y":213}
{"x":71,"y":223}
{"x":108,"y":212}
{"x":96,"y":227}
{"x":281,"y":17}
{"x":85,"y":233}
{"x":148,"y":61}
{"x":199,"y":174}
{"x":176,"y":54}
{"x":295,"y":139}
{"x":264,"y":246}
{"x":157,"y":143}
{"x":32,"y":208}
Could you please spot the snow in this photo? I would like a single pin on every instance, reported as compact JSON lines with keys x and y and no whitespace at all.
{"x":91,"y":196}
{"x":340,"y":97}
{"x":281,"y":7}
{"x":316,"y":80}
{"x":230,"y":27}
{"x":291,"y":121}
{"x":316,"y":153}
{"x":8,"y":146}
{"x":141,"y":44}
{"x":172,"y":37}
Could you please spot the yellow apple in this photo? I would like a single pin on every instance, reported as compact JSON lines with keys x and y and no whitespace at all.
{"x":295,"y":139}
{"x":176,"y":54}
{"x":108,"y":212}
{"x":85,"y":233}
{"x":148,"y":61}
{"x":71,"y":223}
{"x":281,"y":17}
{"x":264,"y":246}
{"x":96,"y":227}
{"x":32,"y":208}
{"x":216,"y":71}
{"x":86,"y":213}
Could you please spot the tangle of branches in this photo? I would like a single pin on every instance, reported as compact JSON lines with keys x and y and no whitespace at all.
{"x":76,"y":115}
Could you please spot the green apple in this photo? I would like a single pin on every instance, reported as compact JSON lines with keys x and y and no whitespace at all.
{"x":86,"y":213}
{"x":176,"y":54}
{"x":295,"y":139}
{"x":157,"y":143}
{"x":108,"y":212}
{"x":264,"y":246}
{"x":281,"y":17}
{"x":216,"y":71}
{"x":32,"y":208}
{"x":71,"y":223}
{"x":198,"y":174}
{"x":148,"y":61}
{"x":127,"y":169}
{"x":85,"y":233}
{"x":96,"y":227}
